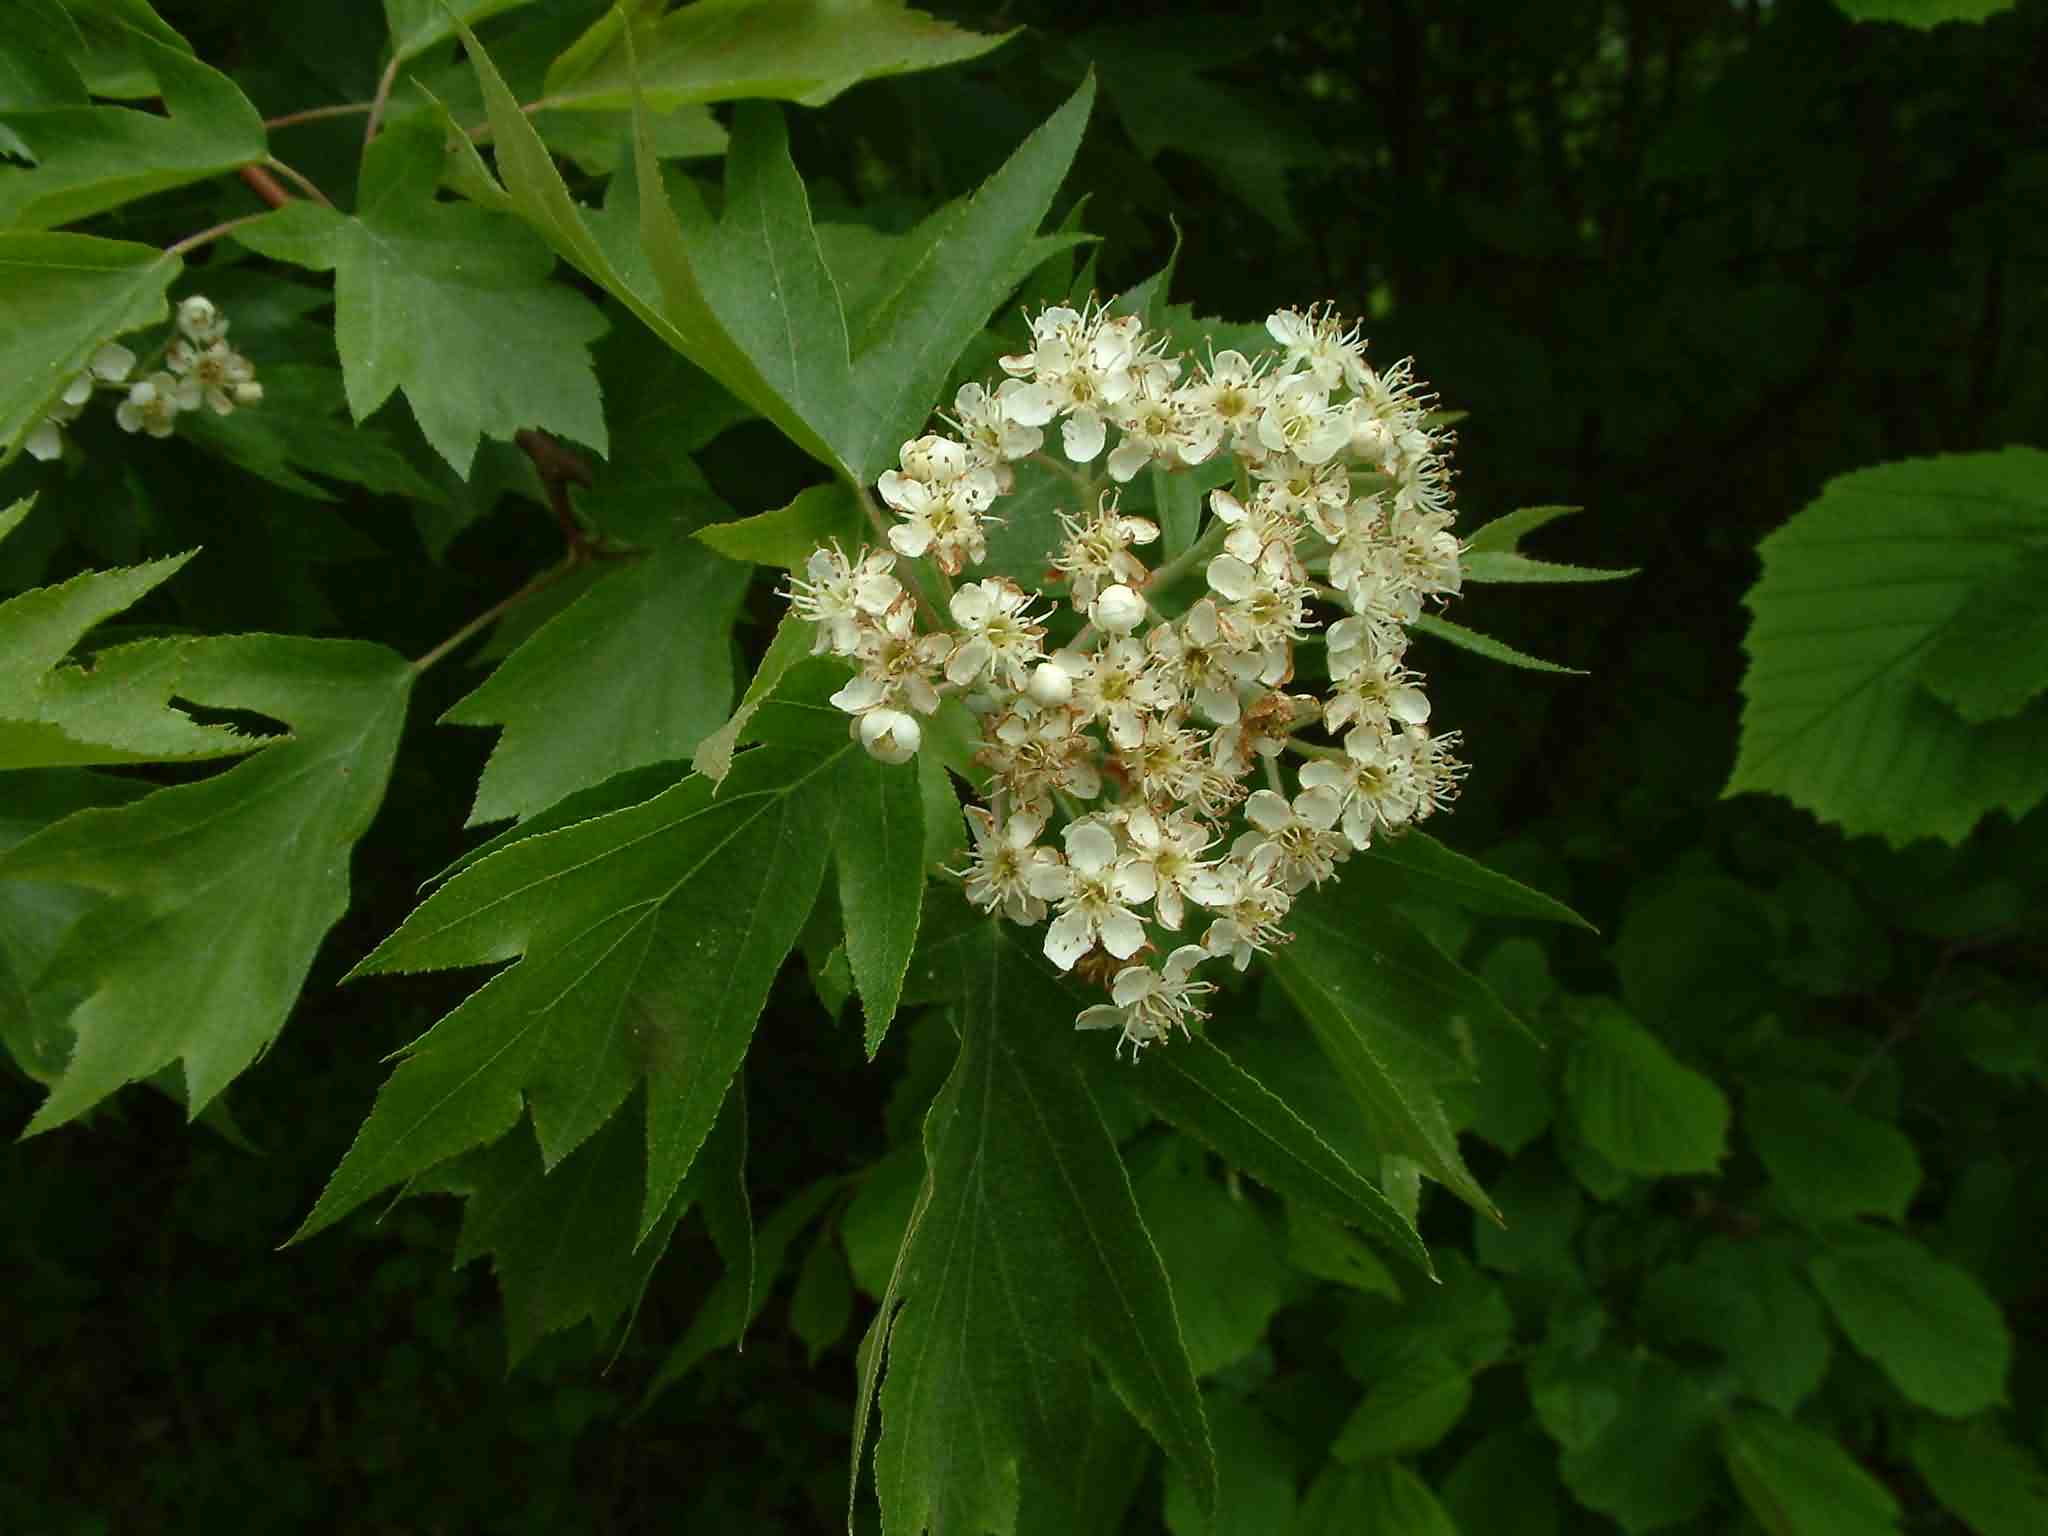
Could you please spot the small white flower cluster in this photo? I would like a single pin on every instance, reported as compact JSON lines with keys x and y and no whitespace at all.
{"x":199,"y":368}
{"x":1142,"y":732}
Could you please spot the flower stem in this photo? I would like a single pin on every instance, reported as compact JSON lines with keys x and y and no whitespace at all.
{"x":298,"y":179}
{"x":499,"y":609}
{"x":316,"y":114}
{"x":385,"y":82}
{"x":208,"y":236}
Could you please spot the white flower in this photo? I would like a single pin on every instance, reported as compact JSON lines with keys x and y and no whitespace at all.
{"x":840,"y":595}
{"x":997,"y":633}
{"x":1299,"y":419}
{"x":941,"y":494}
{"x":1172,"y":846}
{"x":1111,"y":684}
{"x":225,"y":378}
{"x":1196,"y":658}
{"x":999,"y":872}
{"x":1249,"y":903}
{"x":1148,"y":1005}
{"x":153,"y":404}
{"x":994,"y":437}
{"x":1317,"y":341}
{"x":1225,"y":403}
{"x":1157,"y":425}
{"x":202,"y":324}
{"x":1092,"y":889}
{"x":1080,"y":365}
{"x":1097,"y":551}
{"x":889,"y":735}
{"x":1309,"y":848}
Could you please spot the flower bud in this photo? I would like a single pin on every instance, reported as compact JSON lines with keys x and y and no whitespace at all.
{"x":889,"y":735}
{"x":1050,"y":685}
{"x":1117,"y":609}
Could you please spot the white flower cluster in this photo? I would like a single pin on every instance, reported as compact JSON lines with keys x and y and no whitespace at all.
{"x":199,"y":368}
{"x":1143,"y":732}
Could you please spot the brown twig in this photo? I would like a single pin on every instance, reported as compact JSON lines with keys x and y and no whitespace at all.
{"x":265,"y":186}
{"x":558,"y":468}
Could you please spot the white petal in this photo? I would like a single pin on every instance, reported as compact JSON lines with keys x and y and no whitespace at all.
{"x":1267,"y":811}
{"x":1133,"y":984}
{"x":1069,"y":937}
{"x":1122,"y":934}
{"x":1082,"y":435}
{"x":1230,"y":577}
{"x":1101,"y":1016}
{"x":1319,"y":807}
{"x":1090,"y":846}
{"x":1032,"y":406}
{"x":1127,"y":458}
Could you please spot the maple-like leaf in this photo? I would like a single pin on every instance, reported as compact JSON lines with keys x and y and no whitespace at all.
{"x":218,"y":892}
{"x":646,"y":941}
{"x":1025,"y":1259}
{"x":448,"y":303}
{"x":114,"y":708}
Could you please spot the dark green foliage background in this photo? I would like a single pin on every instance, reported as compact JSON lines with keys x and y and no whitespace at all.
{"x":1681,"y":262}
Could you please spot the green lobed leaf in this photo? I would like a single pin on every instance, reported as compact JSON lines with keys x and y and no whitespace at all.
{"x":35,"y":917}
{"x":1027,"y":1257}
{"x":1856,"y":590}
{"x":704,"y":292}
{"x":221,"y":890}
{"x":1828,"y":1160}
{"x":115,"y":706}
{"x":1941,"y":1340}
{"x":723,"y":50}
{"x":1201,"y":1090}
{"x":788,"y":536}
{"x":1636,"y":1104}
{"x":452,"y":305}
{"x":417,"y":25}
{"x":1993,"y":1486}
{"x":61,"y":296}
{"x":646,"y":941}
{"x":1386,"y":1006}
{"x":638,"y":670}
{"x":791,"y":645}
{"x":1992,"y":658}
{"x":878,"y":845}
{"x":92,"y":158}
{"x":563,"y":1241}
{"x":738,"y":1295}
{"x":1799,"y":1482}
{"x":36,"y":68}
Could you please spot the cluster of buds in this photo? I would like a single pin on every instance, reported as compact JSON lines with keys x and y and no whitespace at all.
{"x":1122,"y":760}
{"x":199,"y":368}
